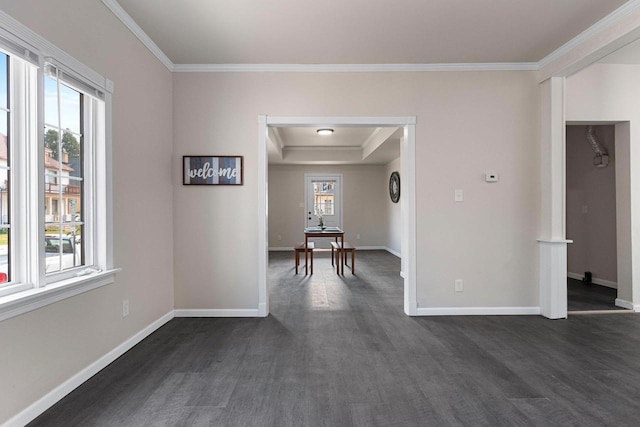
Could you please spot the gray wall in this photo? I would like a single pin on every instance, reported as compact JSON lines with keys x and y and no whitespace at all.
{"x":364,"y":203}
{"x":489,"y":240}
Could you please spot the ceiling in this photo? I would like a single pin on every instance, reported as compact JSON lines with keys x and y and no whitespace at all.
{"x":280,"y":33}
{"x":347,"y":145}
{"x":363,"y":31}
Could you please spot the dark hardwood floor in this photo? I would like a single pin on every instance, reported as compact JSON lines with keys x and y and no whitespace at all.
{"x":339,"y":351}
{"x":589,"y":297}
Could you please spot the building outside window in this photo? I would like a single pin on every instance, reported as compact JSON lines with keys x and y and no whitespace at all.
{"x":63,"y":160}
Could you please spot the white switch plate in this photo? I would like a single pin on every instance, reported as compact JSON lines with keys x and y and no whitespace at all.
{"x":458,"y":285}
{"x":125,"y":308}
{"x":302,"y":205}
{"x":458,"y":195}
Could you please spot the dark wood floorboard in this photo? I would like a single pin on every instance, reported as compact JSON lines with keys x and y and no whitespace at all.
{"x":339,"y":351}
{"x":587,"y":297}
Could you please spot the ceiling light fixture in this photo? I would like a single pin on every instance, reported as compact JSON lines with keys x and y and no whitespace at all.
{"x":325,"y":131}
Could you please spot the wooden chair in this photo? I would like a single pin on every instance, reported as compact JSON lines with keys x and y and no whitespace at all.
{"x":299,"y":249}
{"x":335,"y":246}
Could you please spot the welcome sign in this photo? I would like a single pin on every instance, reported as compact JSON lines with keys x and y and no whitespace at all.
{"x":212,"y":170}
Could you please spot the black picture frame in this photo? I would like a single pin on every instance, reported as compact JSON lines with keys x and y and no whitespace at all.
{"x":212,"y":170}
{"x":394,"y":187}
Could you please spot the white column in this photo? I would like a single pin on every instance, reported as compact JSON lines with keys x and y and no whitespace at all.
{"x":552,"y":241}
{"x":408,"y":208}
{"x":263,"y":212}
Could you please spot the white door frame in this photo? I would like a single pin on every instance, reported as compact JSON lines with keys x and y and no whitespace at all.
{"x":337,"y":177}
{"x":408,"y":198}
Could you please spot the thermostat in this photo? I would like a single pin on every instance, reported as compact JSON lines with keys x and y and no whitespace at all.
{"x":491,"y":177}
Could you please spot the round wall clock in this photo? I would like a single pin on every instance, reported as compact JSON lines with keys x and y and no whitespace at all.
{"x":394,"y":187}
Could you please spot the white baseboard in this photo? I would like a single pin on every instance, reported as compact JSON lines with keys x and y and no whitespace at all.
{"x":51,"y":398}
{"x":477,"y":311}
{"x":246,"y":312}
{"x":392,"y":252}
{"x":594,"y":280}
{"x":628,"y":305}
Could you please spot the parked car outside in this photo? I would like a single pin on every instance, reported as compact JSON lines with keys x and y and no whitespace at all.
{"x":71,"y":252}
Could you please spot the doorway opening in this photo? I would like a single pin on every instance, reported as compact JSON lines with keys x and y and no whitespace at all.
{"x":591,"y":199}
{"x":408,"y":203}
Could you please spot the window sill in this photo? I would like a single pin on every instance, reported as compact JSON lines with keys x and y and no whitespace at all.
{"x":33,"y":299}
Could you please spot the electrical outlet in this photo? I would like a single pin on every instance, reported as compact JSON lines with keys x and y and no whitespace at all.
{"x":125,"y":308}
{"x":458,"y":285}
{"x":279,"y":237}
{"x":458,"y":195}
{"x":357,"y":237}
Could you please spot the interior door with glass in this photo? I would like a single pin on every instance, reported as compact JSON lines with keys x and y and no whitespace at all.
{"x":323,"y":202}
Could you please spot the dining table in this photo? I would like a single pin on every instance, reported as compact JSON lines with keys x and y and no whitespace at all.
{"x":334,"y":232}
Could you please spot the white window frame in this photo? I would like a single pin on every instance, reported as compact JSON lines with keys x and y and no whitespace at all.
{"x":30,"y":287}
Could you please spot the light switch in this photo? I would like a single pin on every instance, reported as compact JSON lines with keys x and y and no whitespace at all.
{"x":458,"y":195}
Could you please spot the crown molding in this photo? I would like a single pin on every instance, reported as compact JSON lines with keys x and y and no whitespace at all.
{"x":351,"y":68}
{"x":597,"y":28}
{"x":128,"y":21}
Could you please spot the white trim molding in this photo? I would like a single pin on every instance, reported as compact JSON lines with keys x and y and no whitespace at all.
{"x":23,"y":302}
{"x":553,"y":278}
{"x":352,"y":68}
{"x":392,"y":252}
{"x":128,"y":21}
{"x":54,"y":396}
{"x":214,"y":312}
{"x":628,"y":305}
{"x":612,"y":32}
{"x":478,"y":311}
{"x":594,"y":280}
{"x":408,"y":206}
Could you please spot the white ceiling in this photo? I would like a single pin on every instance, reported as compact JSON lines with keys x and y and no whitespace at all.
{"x":347,"y":145}
{"x":363,"y":31}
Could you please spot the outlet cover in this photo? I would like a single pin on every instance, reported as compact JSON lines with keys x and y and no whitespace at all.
{"x":125,"y":308}
{"x":458,"y":285}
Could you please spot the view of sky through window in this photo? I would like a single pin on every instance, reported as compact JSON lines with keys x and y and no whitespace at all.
{"x":69,"y":102}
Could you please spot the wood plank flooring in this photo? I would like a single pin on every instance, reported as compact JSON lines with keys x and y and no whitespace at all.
{"x":339,"y":351}
{"x":588,"y":297}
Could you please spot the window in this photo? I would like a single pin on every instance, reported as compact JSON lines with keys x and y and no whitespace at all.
{"x":63,"y":170}
{"x":323,"y":198}
{"x":5,"y":168}
{"x":55,"y":221}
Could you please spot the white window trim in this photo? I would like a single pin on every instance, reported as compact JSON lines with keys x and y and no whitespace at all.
{"x":87,"y":279}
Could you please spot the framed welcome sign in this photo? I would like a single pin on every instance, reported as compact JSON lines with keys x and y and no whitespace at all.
{"x":212,"y":170}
